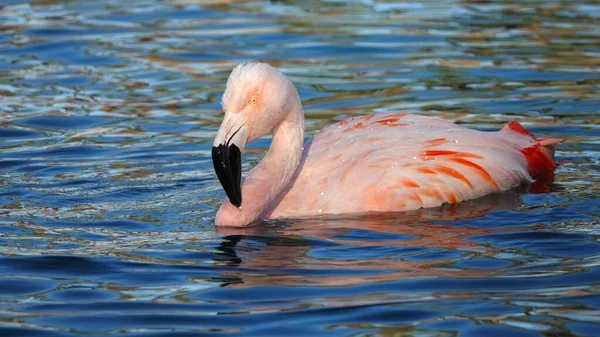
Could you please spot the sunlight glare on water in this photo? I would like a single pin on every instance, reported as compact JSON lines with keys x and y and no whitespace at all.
{"x":107,"y":193}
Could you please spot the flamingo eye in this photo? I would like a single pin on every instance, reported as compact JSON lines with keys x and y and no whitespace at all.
{"x":254,"y":99}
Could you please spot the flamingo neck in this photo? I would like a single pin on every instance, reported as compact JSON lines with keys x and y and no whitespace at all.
{"x":271,"y":175}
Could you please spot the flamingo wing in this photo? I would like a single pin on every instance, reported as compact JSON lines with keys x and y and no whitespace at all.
{"x":404,"y":162}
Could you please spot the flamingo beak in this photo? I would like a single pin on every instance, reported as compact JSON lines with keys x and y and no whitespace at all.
{"x":227,"y":156}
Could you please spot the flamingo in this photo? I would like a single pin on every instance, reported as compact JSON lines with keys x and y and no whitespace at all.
{"x":372,"y":163}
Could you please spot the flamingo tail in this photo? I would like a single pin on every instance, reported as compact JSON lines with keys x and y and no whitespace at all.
{"x":540,"y":156}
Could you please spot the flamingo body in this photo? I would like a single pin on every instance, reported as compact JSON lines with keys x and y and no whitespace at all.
{"x":373,"y":163}
{"x":383,"y":163}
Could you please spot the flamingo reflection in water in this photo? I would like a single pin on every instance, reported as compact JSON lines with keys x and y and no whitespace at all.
{"x":382,"y":246}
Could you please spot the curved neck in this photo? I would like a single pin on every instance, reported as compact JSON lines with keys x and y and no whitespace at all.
{"x":271,"y":175}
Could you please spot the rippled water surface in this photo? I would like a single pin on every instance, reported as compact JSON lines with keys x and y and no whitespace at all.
{"x":107,"y":195}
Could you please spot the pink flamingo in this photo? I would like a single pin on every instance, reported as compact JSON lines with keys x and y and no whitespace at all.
{"x":373,"y":163}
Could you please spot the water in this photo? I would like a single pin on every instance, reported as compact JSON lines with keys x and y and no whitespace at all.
{"x":107,"y":195}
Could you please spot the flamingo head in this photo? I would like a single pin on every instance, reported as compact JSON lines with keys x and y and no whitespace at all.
{"x":255,"y":101}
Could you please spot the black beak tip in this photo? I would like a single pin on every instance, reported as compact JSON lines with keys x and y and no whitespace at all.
{"x":227,"y":162}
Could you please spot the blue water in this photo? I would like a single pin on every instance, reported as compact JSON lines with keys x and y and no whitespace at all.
{"x":107,"y":194}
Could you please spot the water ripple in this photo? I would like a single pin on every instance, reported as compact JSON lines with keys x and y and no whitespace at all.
{"x":107,"y":195}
